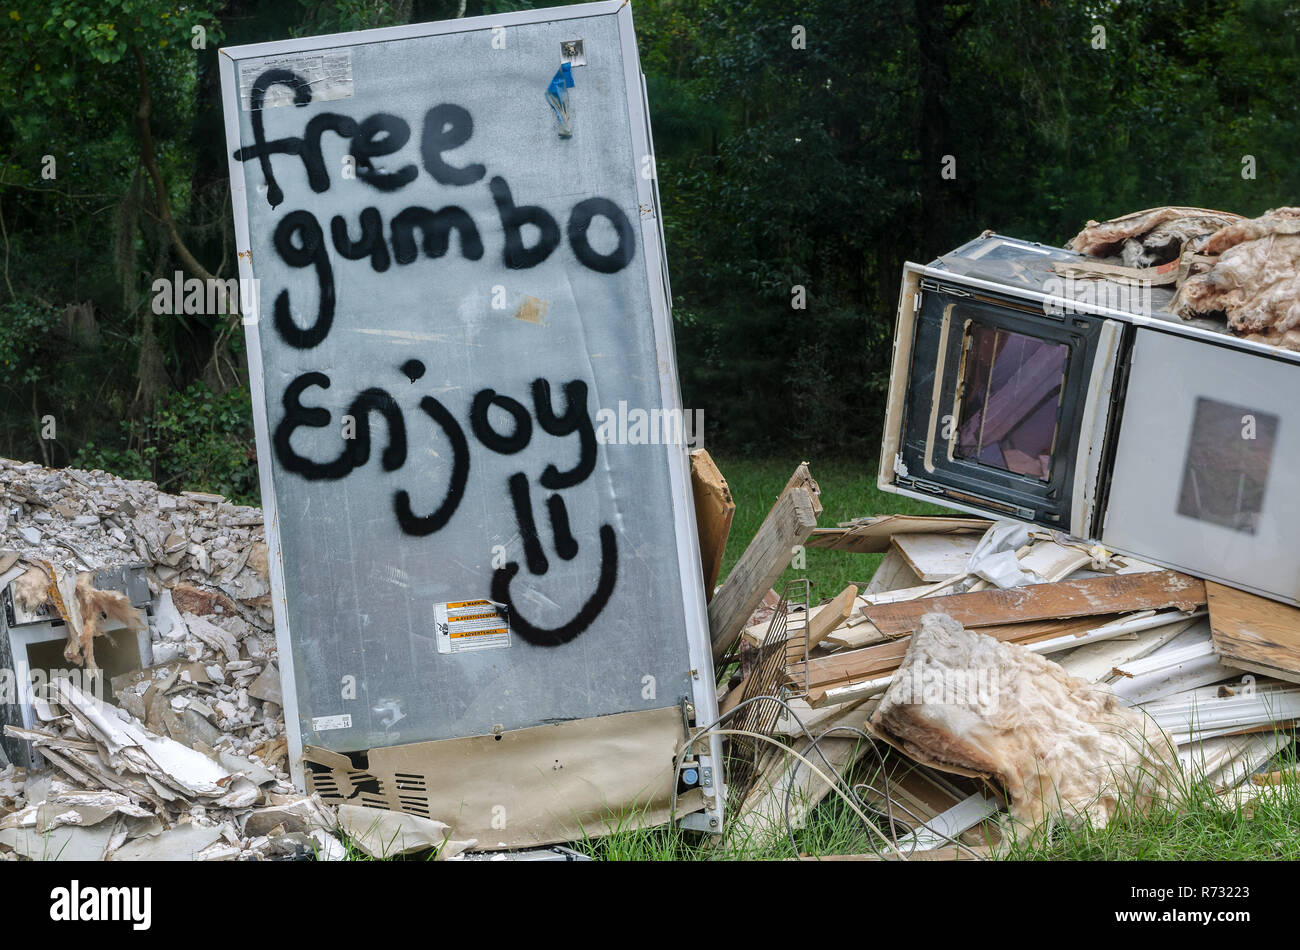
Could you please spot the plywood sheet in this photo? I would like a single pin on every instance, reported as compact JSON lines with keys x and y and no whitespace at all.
{"x":1255,"y":630}
{"x":872,"y":535}
{"x":851,"y":666}
{"x":714,"y":510}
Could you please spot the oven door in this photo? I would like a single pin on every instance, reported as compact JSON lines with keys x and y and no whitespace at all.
{"x":1006,"y":405}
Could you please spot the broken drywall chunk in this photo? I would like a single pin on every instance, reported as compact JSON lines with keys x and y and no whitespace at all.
{"x":267,"y":686}
{"x":181,"y":843}
{"x":296,"y":815}
{"x":1061,"y":746}
{"x":384,"y":834}
{"x":212,"y":635}
{"x":327,"y":847}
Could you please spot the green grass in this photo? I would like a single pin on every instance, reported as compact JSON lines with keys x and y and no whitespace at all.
{"x":1192,"y":824}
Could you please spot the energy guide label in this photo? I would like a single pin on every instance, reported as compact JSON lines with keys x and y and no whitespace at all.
{"x":468,"y":625}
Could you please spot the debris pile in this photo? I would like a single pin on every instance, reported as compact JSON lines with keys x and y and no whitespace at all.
{"x":120,"y":792}
{"x":189,"y":759}
{"x":1222,"y":265}
{"x":988,"y":677}
{"x":990,"y":666}
{"x":213,"y":675}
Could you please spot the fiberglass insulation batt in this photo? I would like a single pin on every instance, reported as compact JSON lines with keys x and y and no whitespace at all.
{"x":963,"y":701}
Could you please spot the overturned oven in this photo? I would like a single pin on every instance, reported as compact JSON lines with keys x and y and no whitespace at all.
{"x":1032,"y":383}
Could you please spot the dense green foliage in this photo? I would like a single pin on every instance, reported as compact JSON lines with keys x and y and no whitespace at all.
{"x":801,"y":144}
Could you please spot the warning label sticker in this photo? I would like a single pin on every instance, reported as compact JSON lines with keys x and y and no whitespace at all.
{"x":468,"y":625}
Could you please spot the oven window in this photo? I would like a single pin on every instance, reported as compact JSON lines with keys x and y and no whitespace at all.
{"x":1011,"y":395}
{"x":1227,"y":465}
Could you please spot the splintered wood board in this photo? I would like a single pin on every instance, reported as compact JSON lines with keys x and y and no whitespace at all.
{"x":873,"y":536}
{"x":936,"y":557}
{"x":1094,"y":595}
{"x":849,"y":666}
{"x":1254,"y":632}
{"x":789,"y":523}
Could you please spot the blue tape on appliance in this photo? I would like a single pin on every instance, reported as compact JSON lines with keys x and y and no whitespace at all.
{"x":557,"y":94}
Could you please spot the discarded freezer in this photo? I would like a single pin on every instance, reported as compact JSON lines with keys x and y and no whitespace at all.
{"x":1022,"y":389}
{"x":486,"y":580}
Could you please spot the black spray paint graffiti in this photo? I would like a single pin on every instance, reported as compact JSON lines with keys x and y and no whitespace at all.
{"x":573,"y":420}
{"x":300,"y":240}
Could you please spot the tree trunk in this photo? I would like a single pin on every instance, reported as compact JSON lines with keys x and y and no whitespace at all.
{"x":150,"y":159}
{"x":933,"y":131}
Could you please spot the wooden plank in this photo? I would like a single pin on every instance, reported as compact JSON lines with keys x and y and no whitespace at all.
{"x":857,"y":636}
{"x":762,"y":816}
{"x":831,"y":615}
{"x":870,"y":662}
{"x":936,"y":557}
{"x":714,"y":510}
{"x":1288,"y":776}
{"x":788,"y":524}
{"x":872,"y":535}
{"x":1046,"y":644}
{"x":1255,"y":630}
{"x":817,"y":721}
{"x":821,"y":621}
{"x":802,"y":478}
{"x":1093,"y":595}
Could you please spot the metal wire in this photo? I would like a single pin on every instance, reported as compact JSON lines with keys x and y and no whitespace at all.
{"x":839,"y":785}
{"x":767,"y":677}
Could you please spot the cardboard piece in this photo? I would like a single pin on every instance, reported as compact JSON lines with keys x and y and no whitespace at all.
{"x":527,"y":787}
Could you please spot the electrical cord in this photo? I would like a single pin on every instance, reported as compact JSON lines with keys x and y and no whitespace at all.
{"x":714,"y":728}
{"x":819,"y":773}
{"x":851,"y":798}
{"x":890,"y":804}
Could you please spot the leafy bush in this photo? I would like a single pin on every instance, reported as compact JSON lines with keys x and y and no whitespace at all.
{"x":195,"y":441}
{"x":24,"y":326}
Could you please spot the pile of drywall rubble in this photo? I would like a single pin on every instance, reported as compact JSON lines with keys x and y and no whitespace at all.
{"x":206,"y":564}
{"x":191,"y":759}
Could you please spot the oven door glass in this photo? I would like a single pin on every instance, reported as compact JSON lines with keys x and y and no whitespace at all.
{"x":994,"y":402}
